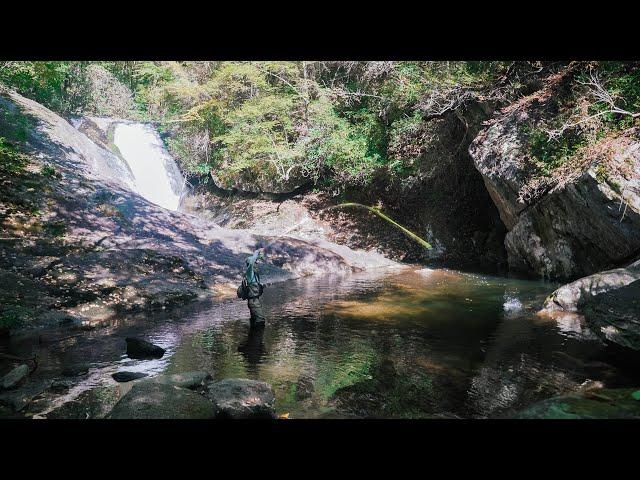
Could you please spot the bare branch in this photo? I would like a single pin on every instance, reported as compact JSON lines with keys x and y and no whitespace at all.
{"x":600,"y":95}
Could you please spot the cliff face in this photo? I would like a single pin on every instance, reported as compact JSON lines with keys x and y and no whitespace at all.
{"x":583,"y":218}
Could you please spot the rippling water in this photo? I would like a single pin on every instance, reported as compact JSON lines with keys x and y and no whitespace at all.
{"x":407,"y":343}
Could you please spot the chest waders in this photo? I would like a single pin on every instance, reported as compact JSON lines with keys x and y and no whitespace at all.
{"x":253,"y":292}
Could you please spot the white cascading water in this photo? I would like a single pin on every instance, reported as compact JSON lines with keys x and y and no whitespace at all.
{"x":157,"y":177}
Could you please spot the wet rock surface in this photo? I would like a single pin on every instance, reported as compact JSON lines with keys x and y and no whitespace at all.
{"x":304,"y":388}
{"x":188,"y":380}
{"x":238,"y":398}
{"x":75,"y":370}
{"x":94,"y":403}
{"x":573,"y":296}
{"x":153,"y":400}
{"x":123,"y":377}
{"x":615,"y":315}
{"x":608,"y":302}
{"x":138,"y":348}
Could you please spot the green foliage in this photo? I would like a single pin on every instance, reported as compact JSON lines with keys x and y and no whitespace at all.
{"x":48,"y":171}
{"x":622,"y":81}
{"x":336,"y":124}
{"x":61,"y":86}
{"x":282,"y":120}
{"x":551,"y":153}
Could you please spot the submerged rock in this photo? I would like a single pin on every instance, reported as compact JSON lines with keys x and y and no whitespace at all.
{"x":122,"y":377}
{"x":151,"y":400}
{"x":237,"y":398}
{"x":304,"y":388}
{"x":137,"y":348}
{"x":14,"y":377}
{"x":188,"y":380}
{"x":594,"y":404}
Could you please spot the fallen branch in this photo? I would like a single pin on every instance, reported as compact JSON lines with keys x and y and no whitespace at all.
{"x":409,"y":233}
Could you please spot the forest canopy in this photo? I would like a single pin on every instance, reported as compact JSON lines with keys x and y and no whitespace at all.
{"x":277,"y":125}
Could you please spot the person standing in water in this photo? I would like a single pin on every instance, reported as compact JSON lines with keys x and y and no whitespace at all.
{"x":254,"y":289}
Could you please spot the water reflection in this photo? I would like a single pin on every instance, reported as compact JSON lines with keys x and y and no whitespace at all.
{"x":426,"y":343}
{"x":252,"y":349}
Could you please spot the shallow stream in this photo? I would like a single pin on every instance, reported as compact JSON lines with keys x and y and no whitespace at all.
{"x":384,"y":343}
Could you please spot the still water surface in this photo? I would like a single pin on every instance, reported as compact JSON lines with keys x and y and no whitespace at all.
{"x":402,"y":344}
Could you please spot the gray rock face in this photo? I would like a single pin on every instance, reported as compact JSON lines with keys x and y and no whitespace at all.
{"x":576,"y":230}
{"x":151,"y":400}
{"x":238,"y":398}
{"x":137,"y":348}
{"x":15,"y":377}
{"x":615,"y":315}
{"x":574,"y":224}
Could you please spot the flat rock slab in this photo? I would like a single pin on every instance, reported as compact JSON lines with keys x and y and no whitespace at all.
{"x":128,"y":376}
{"x":14,"y":377}
{"x":150,"y":400}
{"x":237,"y":398}
{"x":137,"y":348}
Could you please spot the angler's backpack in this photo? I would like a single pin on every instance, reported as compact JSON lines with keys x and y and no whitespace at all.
{"x":243,"y":290}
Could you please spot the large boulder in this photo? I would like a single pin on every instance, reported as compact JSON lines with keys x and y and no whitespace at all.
{"x":150,"y":400}
{"x":90,"y":404}
{"x":237,"y":398}
{"x":583,"y":218}
{"x":573,"y":296}
{"x":615,"y":315}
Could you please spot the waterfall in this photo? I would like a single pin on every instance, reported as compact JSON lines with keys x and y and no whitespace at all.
{"x":157,"y":177}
